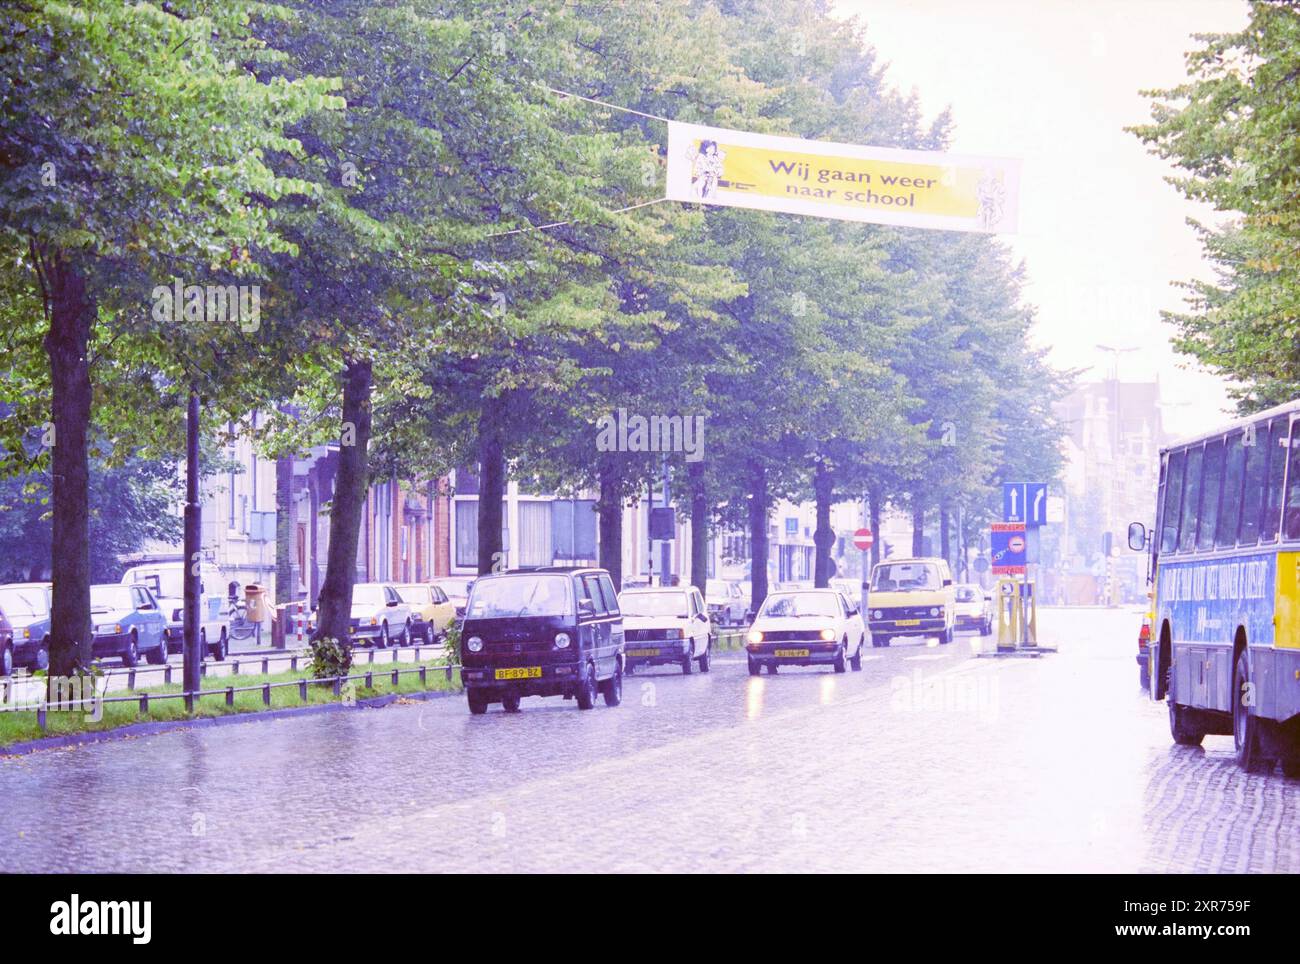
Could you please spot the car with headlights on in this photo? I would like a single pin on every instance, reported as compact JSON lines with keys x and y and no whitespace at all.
{"x":805,"y":627}
{"x":379,"y":616}
{"x":26,"y":605}
{"x":911,"y":597}
{"x":666,"y":626}
{"x":549,"y":631}
{"x":974,"y":610}
{"x":432,"y":611}
{"x":127,"y":622}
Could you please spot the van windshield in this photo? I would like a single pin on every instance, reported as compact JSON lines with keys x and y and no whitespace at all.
{"x":906,"y":577}
{"x":519,"y":596}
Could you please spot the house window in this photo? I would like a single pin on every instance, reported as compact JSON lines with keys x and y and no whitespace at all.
{"x":573,"y":528}
{"x":466,"y":533}
{"x":535,"y":534}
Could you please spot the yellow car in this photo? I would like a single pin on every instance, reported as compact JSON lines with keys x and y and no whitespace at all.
{"x":911,"y":597}
{"x":432,"y":611}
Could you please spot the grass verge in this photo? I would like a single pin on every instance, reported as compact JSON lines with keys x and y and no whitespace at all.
{"x":18,"y":726}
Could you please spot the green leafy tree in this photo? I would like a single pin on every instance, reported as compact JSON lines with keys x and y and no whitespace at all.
{"x":134,"y":142}
{"x":1233,"y":130}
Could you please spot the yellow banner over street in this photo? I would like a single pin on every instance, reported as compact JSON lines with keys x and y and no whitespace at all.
{"x":922,"y":189}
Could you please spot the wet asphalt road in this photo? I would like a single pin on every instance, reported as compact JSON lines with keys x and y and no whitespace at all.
{"x":927,"y":760}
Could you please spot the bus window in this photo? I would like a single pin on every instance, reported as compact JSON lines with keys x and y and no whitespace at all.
{"x":1173,"y":503}
{"x":1252,"y":495}
{"x":1230,"y":506}
{"x":1291,"y":514}
{"x":1210,"y":489}
{"x":1191,"y":501}
{"x":1277,"y":449}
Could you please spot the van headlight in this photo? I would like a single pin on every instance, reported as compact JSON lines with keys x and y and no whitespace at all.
{"x":474,"y":644}
{"x":562,"y":640}
{"x":934,"y":611}
{"x":828,"y":634}
{"x":755,"y":636}
{"x":877,"y":614}
{"x":673,"y":634}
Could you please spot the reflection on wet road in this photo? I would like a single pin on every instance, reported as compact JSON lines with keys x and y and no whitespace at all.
{"x":928,"y":759}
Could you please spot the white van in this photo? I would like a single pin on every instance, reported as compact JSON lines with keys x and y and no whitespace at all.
{"x":166,"y":580}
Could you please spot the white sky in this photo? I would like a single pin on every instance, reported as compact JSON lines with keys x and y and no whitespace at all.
{"x":1054,"y":82}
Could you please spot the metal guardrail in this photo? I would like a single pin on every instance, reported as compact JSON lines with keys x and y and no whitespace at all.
{"x":190,"y":696}
{"x":236,"y":660}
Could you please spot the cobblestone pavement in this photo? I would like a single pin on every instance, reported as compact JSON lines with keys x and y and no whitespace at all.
{"x":927,"y":760}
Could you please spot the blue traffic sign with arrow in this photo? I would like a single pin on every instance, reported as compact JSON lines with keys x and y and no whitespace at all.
{"x":1025,"y":502}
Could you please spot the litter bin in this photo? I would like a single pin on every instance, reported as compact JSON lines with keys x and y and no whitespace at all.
{"x":255,"y":606}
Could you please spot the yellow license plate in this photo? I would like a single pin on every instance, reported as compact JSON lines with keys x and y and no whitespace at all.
{"x":643,"y":652}
{"x":519,"y":672}
{"x":790,"y":652}
{"x":909,"y":622}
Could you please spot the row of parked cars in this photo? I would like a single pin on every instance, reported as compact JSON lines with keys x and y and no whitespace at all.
{"x":562,"y":631}
{"x":143,"y":615}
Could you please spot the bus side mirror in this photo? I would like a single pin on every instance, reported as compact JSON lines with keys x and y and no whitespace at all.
{"x":1137,"y":536}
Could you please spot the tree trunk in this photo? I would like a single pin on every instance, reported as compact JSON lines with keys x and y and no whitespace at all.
{"x":491,"y":486}
{"x":191,"y":654}
{"x":918,"y":526}
{"x":945,"y":540}
{"x":335,"y":612}
{"x":72,"y":317}
{"x":699,"y":526}
{"x":758,"y":512}
{"x":823,"y":535}
{"x":609,"y":520}
{"x":285,"y":583}
{"x":877,"y":541}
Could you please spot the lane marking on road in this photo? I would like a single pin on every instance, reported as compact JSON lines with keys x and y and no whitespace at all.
{"x":926,"y":656}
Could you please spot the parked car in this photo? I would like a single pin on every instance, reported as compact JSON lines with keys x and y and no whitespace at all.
{"x":26,"y":607}
{"x":726,"y":605}
{"x":552,"y":631}
{"x":127,"y":622}
{"x":911,"y":597}
{"x":807,"y":627}
{"x":974,"y":610}
{"x":166,"y":580}
{"x":457,"y":589}
{"x":432,"y":611}
{"x":666,"y":626}
{"x":6,"y":646}
{"x":379,"y":617}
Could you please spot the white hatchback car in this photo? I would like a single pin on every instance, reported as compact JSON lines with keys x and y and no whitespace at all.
{"x":666,"y":626}
{"x":379,"y":616}
{"x":806,"y":627}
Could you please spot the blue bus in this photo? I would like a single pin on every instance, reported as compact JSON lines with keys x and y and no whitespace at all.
{"x":1224,"y":566}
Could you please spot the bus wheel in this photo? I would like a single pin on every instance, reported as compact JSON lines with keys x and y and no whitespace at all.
{"x":1184,"y":732}
{"x":1246,"y":728}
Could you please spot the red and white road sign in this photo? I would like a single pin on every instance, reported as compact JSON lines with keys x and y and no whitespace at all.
{"x":1016,"y":543}
{"x":863,"y":539}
